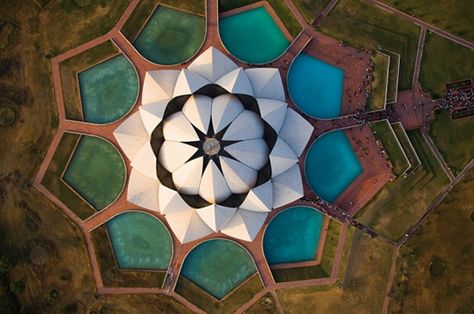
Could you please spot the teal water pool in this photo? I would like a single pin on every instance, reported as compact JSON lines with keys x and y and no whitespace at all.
{"x":96,"y":171}
{"x":140,"y":241}
{"x":170,"y":36}
{"x":253,"y":36}
{"x":218,"y":266}
{"x":316,"y":87}
{"x":108,"y":90}
{"x":293,"y":235}
{"x":331,"y":165}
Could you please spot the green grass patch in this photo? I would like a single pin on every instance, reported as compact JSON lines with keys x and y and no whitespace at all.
{"x":434,"y":268}
{"x":454,"y":16}
{"x":454,"y":139}
{"x":318,"y":271}
{"x":96,"y":171}
{"x":52,"y":178}
{"x":397,"y":206}
{"x":365,"y":26}
{"x":113,"y":276}
{"x":362,"y":289}
{"x":68,"y":70}
{"x":378,"y":97}
{"x":237,"y":298}
{"x":393,"y":73}
{"x":311,"y":8}
{"x":279,"y":6}
{"x":383,"y":132}
{"x":406,"y":145}
{"x":7,"y":116}
{"x":444,"y":61}
{"x":145,"y":8}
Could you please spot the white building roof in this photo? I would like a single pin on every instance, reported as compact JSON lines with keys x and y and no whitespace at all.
{"x":253,"y":153}
{"x":272,"y":111}
{"x":282,"y":157}
{"x":178,"y":128}
{"x":198,"y":111}
{"x":246,"y":126}
{"x":216,"y":216}
{"x":236,"y":82}
{"x":212,"y":64}
{"x":131,"y":135}
{"x":287,"y":187}
{"x":152,"y":114}
{"x":145,"y":161}
{"x":239,"y":177}
{"x":295,"y":131}
{"x":188,"y":82}
{"x":225,"y":108}
{"x":245,"y":224}
{"x":187,"y":177}
{"x":170,"y":202}
{"x":158,"y":85}
{"x":260,"y":198}
{"x":174,"y":154}
{"x":213,"y":186}
{"x":143,"y":190}
{"x":266,"y":83}
{"x":187,"y":226}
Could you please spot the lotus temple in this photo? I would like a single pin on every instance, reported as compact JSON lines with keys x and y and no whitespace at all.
{"x":217,"y":158}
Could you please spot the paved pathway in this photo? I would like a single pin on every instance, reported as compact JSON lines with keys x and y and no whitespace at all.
{"x":428,"y":26}
{"x":317,"y":21}
{"x":391,"y":276}
{"x":419,"y":54}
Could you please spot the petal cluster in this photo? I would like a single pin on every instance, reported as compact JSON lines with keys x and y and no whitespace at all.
{"x":214,"y":148}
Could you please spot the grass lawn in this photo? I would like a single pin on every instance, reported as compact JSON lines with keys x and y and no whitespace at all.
{"x":266,"y":304}
{"x":443,"y":62}
{"x":367,"y":27}
{"x":378,"y":96}
{"x":52,"y":178}
{"x":96,"y":171}
{"x":113,"y":276}
{"x":406,"y":145}
{"x":394,"y":67}
{"x":69,"y":81}
{"x":311,"y":8}
{"x":396,"y":207}
{"x":454,"y":139}
{"x":229,"y":304}
{"x":383,"y":132}
{"x":435,"y":270}
{"x":362,"y":290}
{"x":454,"y":16}
{"x":279,"y":6}
{"x":318,"y":271}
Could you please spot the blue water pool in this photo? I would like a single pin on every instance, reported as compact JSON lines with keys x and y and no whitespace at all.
{"x":253,"y":36}
{"x":331,"y":165}
{"x":218,"y":266}
{"x":293,"y":236}
{"x":108,"y":90}
{"x":140,"y":241}
{"x":316,"y":87}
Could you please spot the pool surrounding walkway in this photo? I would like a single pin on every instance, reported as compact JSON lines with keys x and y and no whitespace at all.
{"x":293,"y":236}
{"x":316,"y":87}
{"x":170,"y":36}
{"x":331,"y":165}
{"x":108,"y":90}
{"x":253,"y":36}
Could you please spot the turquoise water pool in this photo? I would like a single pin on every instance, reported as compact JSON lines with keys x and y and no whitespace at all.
{"x":331,"y":165}
{"x":140,"y":241}
{"x":293,"y":236}
{"x":108,"y":90}
{"x":316,"y":87}
{"x":170,"y":36}
{"x":96,"y":171}
{"x":253,"y":36}
{"x":218,"y":266}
